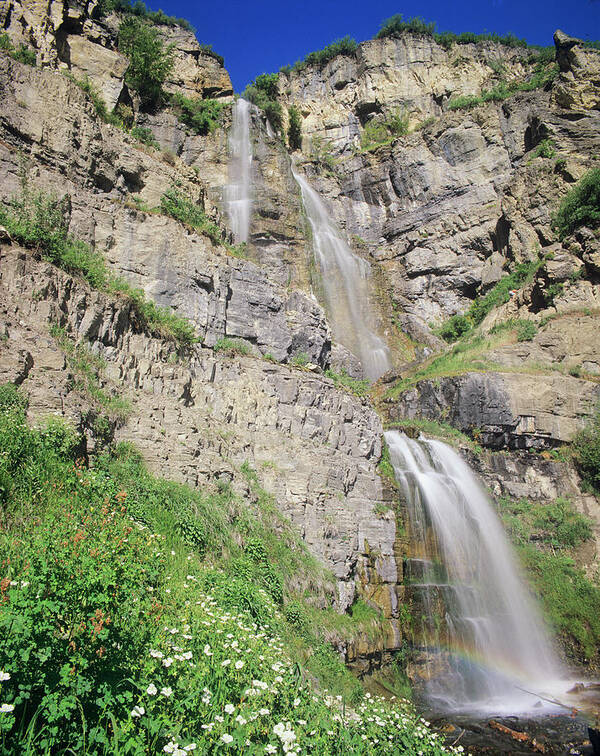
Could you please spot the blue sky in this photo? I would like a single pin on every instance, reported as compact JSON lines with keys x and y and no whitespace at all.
{"x":260,"y":36}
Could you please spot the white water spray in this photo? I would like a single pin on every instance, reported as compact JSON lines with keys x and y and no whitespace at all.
{"x":346,"y":287}
{"x":237,"y":197}
{"x":497,"y":643}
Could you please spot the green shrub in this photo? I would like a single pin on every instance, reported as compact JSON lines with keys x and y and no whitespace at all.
{"x":140,"y":10}
{"x":185,"y":210}
{"x":544,"y":149}
{"x":150,"y":60}
{"x":38,"y":220}
{"x":145,"y":136}
{"x":586,"y":449}
{"x":299,"y":360}
{"x":22,"y":53}
{"x":263,"y":92}
{"x":580,"y":207}
{"x":396,"y":26}
{"x":208,"y":50}
{"x":357,"y":386}
{"x":526,"y":330}
{"x":344,"y":46}
{"x":231,"y":346}
{"x":294,"y":128}
{"x":455,"y":327}
{"x":202,"y":116}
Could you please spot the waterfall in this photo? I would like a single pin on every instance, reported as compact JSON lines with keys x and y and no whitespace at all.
{"x":495,"y":641}
{"x":237,"y":192}
{"x":345,"y":279}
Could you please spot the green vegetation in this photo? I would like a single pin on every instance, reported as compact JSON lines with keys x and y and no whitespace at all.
{"x":459,"y":325}
{"x":175,"y":204}
{"x":586,"y":450}
{"x":569,"y":598}
{"x":396,"y":26}
{"x":377,"y":132}
{"x":150,"y":60}
{"x":202,"y":116}
{"x":87,"y":368}
{"x":140,"y":616}
{"x":294,"y":133}
{"x":22,"y":53}
{"x":144,"y":135}
{"x":299,"y":360}
{"x":580,"y":207}
{"x":544,"y":149}
{"x":543,"y":75}
{"x":357,"y":386}
{"x":263,"y":92}
{"x":139,"y":9}
{"x":321,"y":153}
{"x":39,"y":221}
{"x":344,"y":46}
{"x":231,"y":347}
{"x":526,"y":330}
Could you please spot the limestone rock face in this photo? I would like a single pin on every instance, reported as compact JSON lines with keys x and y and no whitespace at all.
{"x":74,"y":37}
{"x":105,"y":173}
{"x":201,"y":416}
{"x":580,"y":71}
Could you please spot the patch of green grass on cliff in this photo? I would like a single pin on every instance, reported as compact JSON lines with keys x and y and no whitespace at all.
{"x":87,"y":369}
{"x":586,"y":451}
{"x":396,"y":25}
{"x":580,"y":206}
{"x":264,"y":92}
{"x":458,"y":326}
{"x":546,"y":537}
{"x":22,"y":53}
{"x":140,"y":10}
{"x":177,"y":205}
{"x":376,"y":133}
{"x":356,"y":386}
{"x":39,"y":220}
{"x":203,"y":116}
{"x":141,"y":616}
{"x":344,"y":46}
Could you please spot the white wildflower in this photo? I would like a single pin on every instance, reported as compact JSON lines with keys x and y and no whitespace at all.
{"x":138,"y":711}
{"x":4,"y":676}
{"x":229,"y":708}
{"x":167,"y":692}
{"x":239,"y":664}
{"x":151,"y":690}
{"x":226,"y":738}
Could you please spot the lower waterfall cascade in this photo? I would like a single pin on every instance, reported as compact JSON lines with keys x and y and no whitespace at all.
{"x":494,"y":652}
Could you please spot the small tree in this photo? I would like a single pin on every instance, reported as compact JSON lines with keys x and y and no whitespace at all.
{"x":580,"y":206}
{"x":150,"y":60}
{"x":294,"y":128}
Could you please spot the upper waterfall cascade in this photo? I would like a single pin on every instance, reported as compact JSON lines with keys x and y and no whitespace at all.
{"x":237,"y":194}
{"x":496,"y":641}
{"x":345,"y":279}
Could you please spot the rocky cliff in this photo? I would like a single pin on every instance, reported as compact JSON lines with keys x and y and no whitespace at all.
{"x":441,"y":213}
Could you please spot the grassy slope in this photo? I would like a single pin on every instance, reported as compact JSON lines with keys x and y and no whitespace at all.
{"x":139,"y":616}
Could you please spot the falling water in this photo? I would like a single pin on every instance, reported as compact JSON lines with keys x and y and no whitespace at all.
{"x":346,"y":286}
{"x":496,"y":642}
{"x":237,"y":192}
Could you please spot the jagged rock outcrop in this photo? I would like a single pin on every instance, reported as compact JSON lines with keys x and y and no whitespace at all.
{"x":107,"y":176}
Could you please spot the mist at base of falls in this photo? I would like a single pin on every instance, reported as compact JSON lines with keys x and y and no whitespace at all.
{"x":489,"y":649}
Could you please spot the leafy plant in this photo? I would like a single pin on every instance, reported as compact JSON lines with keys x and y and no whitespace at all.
{"x":139,"y":9}
{"x":22,"y":53}
{"x":580,"y":206}
{"x":300,"y":359}
{"x":39,"y":220}
{"x":263,"y":92}
{"x":231,"y":346}
{"x":202,"y":116}
{"x":586,"y":448}
{"x":150,"y":60}
{"x":145,"y":136}
{"x":344,"y":46}
{"x":294,"y":128}
{"x":545,"y":149}
{"x":526,"y":330}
